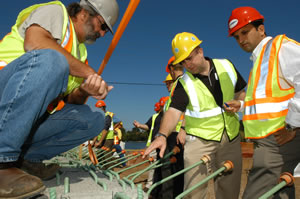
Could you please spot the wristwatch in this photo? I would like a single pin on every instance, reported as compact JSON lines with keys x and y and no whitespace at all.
{"x":290,"y":128}
{"x":160,"y":134}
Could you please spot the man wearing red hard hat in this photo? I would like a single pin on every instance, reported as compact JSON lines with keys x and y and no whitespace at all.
{"x":272,"y":103}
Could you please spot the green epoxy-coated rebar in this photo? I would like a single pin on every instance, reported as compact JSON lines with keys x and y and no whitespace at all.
{"x":102,"y":184}
{"x":126,"y":159}
{"x":120,"y":195}
{"x":94,"y":175}
{"x":273,"y":190}
{"x":57,"y":178}
{"x":186,"y":192}
{"x":113,"y":166}
{"x":122,"y":183}
{"x":67,"y":185}
{"x":140,"y":192}
{"x":109,"y":175}
{"x":52,"y":193}
{"x":131,"y":183}
{"x":109,"y":158}
{"x":116,"y":174}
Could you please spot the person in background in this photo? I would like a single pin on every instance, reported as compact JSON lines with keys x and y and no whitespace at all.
{"x":272,"y":104}
{"x":106,"y":137}
{"x":152,"y":125}
{"x":45,"y":79}
{"x":117,"y":140}
{"x":169,"y":82}
{"x":200,"y":94}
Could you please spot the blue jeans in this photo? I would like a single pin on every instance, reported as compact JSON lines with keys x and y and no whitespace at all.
{"x":28,"y":85}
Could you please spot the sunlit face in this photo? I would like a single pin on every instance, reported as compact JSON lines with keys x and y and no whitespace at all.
{"x":169,"y":85}
{"x":195,"y":61}
{"x":94,"y":28}
{"x":248,"y":37}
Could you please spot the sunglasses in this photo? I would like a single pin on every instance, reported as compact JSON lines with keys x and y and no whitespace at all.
{"x":103,"y":25}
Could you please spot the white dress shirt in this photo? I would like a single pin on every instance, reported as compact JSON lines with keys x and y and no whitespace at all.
{"x":289,"y":74}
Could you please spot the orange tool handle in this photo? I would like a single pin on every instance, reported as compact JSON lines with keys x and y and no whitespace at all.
{"x":125,"y":20}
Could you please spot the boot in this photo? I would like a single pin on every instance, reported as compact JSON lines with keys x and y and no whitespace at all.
{"x":39,"y":169}
{"x":16,"y":184}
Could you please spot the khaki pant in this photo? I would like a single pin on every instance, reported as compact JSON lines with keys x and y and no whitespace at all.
{"x":227,"y":186}
{"x":269,"y":161}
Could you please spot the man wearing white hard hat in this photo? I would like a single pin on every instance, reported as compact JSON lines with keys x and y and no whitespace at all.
{"x":45,"y":81}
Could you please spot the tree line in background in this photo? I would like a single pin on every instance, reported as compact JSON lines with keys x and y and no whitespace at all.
{"x":134,"y":135}
{"x":138,"y":135}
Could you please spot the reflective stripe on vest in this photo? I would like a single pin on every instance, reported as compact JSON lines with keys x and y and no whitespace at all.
{"x":167,"y":104}
{"x":203,"y":117}
{"x":266,"y":103}
{"x":151,"y":130}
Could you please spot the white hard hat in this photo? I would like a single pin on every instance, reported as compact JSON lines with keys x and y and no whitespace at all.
{"x":108,"y":9}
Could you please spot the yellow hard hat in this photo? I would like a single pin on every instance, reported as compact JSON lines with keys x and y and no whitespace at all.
{"x":183,"y":44}
{"x":168,"y":78}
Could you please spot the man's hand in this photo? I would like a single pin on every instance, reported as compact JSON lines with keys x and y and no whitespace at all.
{"x":159,"y":143}
{"x":181,"y":137}
{"x":136,"y":124}
{"x":283,"y":136}
{"x":96,"y":87}
{"x":232,"y":106}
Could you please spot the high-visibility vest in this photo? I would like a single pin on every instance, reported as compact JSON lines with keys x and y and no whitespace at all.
{"x":266,"y":103}
{"x":110,"y":133}
{"x":154,"y":116}
{"x":12,"y":45}
{"x":168,"y":102}
{"x":203,"y":117}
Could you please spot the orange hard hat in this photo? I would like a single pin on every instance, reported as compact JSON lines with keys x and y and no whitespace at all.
{"x":163,"y":100}
{"x":170,"y":63}
{"x":100,"y":103}
{"x":241,"y":17}
{"x":156,"y":106}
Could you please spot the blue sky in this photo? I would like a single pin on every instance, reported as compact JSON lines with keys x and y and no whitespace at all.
{"x":145,"y":47}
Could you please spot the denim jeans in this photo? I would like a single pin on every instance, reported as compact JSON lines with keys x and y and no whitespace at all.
{"x":28,"y":85}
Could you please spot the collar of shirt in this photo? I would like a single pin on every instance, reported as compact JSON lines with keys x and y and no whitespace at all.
{"x":258,"y":48}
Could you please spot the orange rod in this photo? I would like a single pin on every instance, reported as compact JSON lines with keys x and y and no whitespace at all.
{"x":125,"y":20}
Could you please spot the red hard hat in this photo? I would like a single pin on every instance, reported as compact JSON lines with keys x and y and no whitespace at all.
{"x":241,"y":17}
{"x":170,"y":62}
{"x":156,"y":106}
{"x":163,"y":100}
{"x":100,"y":103}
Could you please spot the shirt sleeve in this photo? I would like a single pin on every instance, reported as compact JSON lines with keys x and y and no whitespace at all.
{"x":240,"y":83}
{"x":49,"y":17}
{"x":180,"y":99}
{"x":289,"y":61}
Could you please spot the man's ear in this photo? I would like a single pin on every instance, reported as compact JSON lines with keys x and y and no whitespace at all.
{"x":261,"y":29}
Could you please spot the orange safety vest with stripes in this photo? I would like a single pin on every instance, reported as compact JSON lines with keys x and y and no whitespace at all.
{"x":266,"y":102}
{"x":12,"y":46}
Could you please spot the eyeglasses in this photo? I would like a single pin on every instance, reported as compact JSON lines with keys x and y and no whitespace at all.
{"x":103,"y":25}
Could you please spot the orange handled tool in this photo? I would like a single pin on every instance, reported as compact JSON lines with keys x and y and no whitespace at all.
{"x":125,"y":20}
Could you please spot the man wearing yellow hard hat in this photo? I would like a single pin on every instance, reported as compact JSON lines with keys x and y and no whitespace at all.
{"x":201,"y":93}
{"x":169,"y":82}
{"x":272,"y":103}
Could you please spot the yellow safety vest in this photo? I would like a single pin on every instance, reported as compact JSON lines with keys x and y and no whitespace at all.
{"x":12,"y":45}
{"x":167,"y":105}
{"x":203,"y":117}
{"x":110,"y":134}
{"x":266,"y":103}
{"x":154,"y":116}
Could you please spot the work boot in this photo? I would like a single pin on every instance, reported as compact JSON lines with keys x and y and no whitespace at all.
{"x":39,"y":169}
{"x":16,"y":184}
